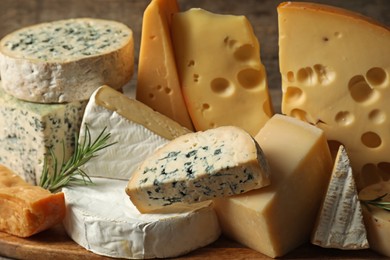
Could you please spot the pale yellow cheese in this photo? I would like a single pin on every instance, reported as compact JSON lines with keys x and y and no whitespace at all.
{"x":158,"y":83}
{"x":377,"y":220}
{"x":278,"y":218}
{"x":335,"y":68}
{"x":218,"y":60}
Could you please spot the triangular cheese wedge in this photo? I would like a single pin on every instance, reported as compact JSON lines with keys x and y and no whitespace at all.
{"x":158,"y":82}
{"x":135,"y":129}
{"x":335,"y":67}
{"x":340,"y":220}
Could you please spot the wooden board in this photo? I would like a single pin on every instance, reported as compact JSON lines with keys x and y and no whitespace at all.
{"x":55,"y":244}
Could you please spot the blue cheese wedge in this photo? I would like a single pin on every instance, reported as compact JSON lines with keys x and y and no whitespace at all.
{"x":135,"y":129}
{"x":340,"y":220}
{"x":66,"y":60}
{"x":103,"y":220}
{"x":199,"y":166}
{"x":28,"y":130}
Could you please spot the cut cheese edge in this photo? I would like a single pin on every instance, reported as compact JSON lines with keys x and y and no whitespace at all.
{"x":199,"y":166}
{"x":136,"y":131}
{"x":340,"y":221}
{"x":276,"y":219}
{"x":158,"y":83}
{"x":25,"y":209}
{"x":102,"y":219}
{"x":377,"y":220}
{"x":65,"y":61}
{"x":334,"y":75}
{"x":218,"y":60}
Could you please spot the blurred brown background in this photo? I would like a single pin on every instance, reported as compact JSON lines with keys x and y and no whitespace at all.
{"x":262,"y":14}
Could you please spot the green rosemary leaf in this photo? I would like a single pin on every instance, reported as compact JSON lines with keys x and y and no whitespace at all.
{"x":69,"y":173}
{"x":378,"y":202}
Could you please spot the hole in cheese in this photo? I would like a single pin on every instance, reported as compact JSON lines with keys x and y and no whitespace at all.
{"x":376,"y":76}
{"x":293,"y":95}
{"x":359,"y":89}
{"x":250,"y":78}
{"x":324,"y":74}
{"x":371,"y":139}
{"x":299,"y":114}
{"x":305,"y":76}
{"x":344,"y":118}
{"x":377,"y":116}
{"x":205,"y":106}
{"x":244,"y":52}
{"x":168,"y":90}
{"x":221,"y":86}
{"x":191,"y":63}
{"x":290,"y":76}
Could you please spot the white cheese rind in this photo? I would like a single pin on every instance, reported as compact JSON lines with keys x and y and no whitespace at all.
{"x":134,"y":140}
{"x":340,"y":219}
{"x":45,"y":71}
{"x":199,"y":166}
{"x":102,"y":219}
{"x":28,"y":130}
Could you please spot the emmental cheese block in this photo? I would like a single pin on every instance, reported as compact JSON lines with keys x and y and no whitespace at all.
{"x":340,"y":220}
{"x":199,"y":166}
{"x":218,"y":60}
{"x":280,"y":217}
{"x":26,"y":209}
{"x":136,"y":131}
{"x":66,"y":60}
{"x":158,"y":83}
{"x":101,"y":218}
{"x":335,"y":68}
{"x":377,"y":220}
{"x":28,"y":131}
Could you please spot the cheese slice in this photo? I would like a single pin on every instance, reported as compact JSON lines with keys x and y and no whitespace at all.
{"x":102,"y":219}
{"x":340,"y":221}
{"x":157,"y":81}
{"x":135,"y":129}
{"x":199,"y":166}
{"x":218,"y":60}
{"x":29,"y":130}
{"x":335,"y":68}
{"x":26,"y":209}
{"x":377,"y":220}
{"x":66,"y":60}
{"x":280,"y":217}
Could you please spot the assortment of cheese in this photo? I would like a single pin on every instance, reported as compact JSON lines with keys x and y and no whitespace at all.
{"x":199,"y":151}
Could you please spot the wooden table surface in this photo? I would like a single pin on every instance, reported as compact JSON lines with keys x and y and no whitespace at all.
{"x":14,"y":14}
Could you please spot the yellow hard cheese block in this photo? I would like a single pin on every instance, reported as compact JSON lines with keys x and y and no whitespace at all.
{"x":278,"y":218}
{"x":335,"y":68}
{"x":377,"y":220}
{"x":158,"y":83}
{"x":218,"y":59}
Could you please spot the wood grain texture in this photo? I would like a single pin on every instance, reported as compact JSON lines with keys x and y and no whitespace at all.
{"x":55,"y":244}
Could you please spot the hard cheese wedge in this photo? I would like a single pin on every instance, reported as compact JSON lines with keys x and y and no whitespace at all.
{"x":218,"y":60}
{"x":335,"y":68}
{"x":199,"y":166}
{"x":158,"y":82}
{"x":376,"y":219}
{"x":28,"y":130}
{"x":276,"y":219}
{"x":340,"y":221}
{"x":135,"y":129}
{"x":26,"y":209}
{"x":102,"y":219}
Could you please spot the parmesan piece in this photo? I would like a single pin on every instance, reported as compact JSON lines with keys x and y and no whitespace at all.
{"x":26,"y":209}
{"x":199,"y":166}
{"x":66,"y":60}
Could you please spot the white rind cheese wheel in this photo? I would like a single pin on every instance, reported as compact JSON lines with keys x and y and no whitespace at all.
{"x":65,"y":61}
{"x":102,"y":219}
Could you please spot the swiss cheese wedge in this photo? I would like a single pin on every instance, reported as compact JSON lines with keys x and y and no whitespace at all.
{"x":26,"y":209}
{"x":335,"y":68}
{"x":158,"y":82}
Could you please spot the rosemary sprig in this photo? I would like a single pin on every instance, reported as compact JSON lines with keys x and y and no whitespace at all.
{"x":378,"y":202}
{"x":69,"y":172}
